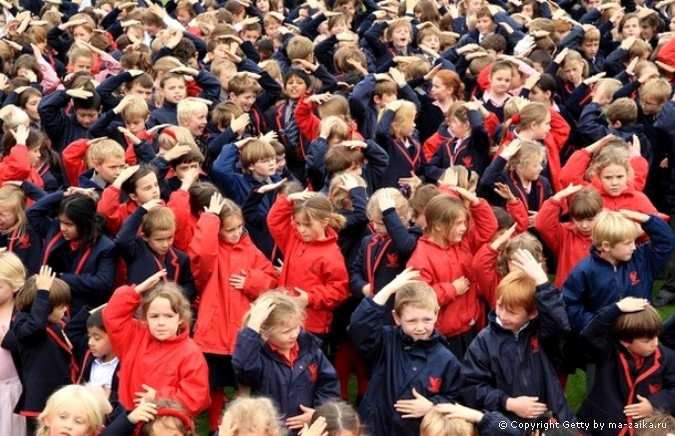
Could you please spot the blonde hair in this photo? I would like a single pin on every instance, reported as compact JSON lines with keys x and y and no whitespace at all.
{"x":340,"y":130}
{"x":436,"y":423}
{"x":402,"y":204}
{"x":12,"y":270}
{"x":524,"y":156}
{"x":404,"y":115}
{"x":339,"y":196}
{"x":136,"y":107}
{"x":12,"y":117}
{"x":612,"y":154}
{"x":612,"y":227}
{"x":100,"y":151}
{"x":158,"y":219}
{"x":285,"y":312}
{"x":416,"y":294}
{"x":466,"y":178}
{"x":15,"y":198}
{"x":255,"y":151}
{"x":606,"y":87}
{"x":68,"y":396}
{"x":525,"y":241}
{"x":338,"y":106}
{"x":658,"y":89}
{"x":230,"y":209}
{"x":187,"y":108}
{"x":319,"y":208}
{"x":255,"y":414}
{"x":174,"y":135}
{"x":516,"y":291}
{"x":179,"y":304}
{"x":574,"y":56}
{"x":444,"y":210}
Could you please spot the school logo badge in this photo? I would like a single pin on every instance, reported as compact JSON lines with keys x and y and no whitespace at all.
{"x":467,"y":161}
{"x":434,"y":384}
{"x":392,"y":260}
{"x":654,"y":388}
{"x":634,"y":279}
{"x":534,"y":343}
{"x":313,"y":372}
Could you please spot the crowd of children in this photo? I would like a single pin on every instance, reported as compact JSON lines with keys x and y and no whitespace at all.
{"x":260,"y":198}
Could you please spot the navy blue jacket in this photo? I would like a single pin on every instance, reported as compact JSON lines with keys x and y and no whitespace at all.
{"x":497,"y":172}
{"x":310,"y":381}
{"x":595,"y":283}
{"x":166,"y":114}
{"x":402,"y":160}
{"x":620,"y":378}
{"x":500,"y":364}
{"x":400,"y":364}
{"x":47,"y":363}
{"x":61,"y":128}
{"x":91,"y":274}
{"x":28,"y":247}
{"x":142,"y":262}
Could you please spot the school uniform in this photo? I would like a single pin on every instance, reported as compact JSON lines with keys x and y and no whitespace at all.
{"x":400,"y":364}
{"x":165,"y":114}
{"x":89,"y":271}
{"x":282,"y":120}
{"x":540,"y":189}
{"x":16,"y":166}
{"x":595,"y":283}
{"x":384,"y":52}
{"x":26,"y":244}
{"x":621,"y":376}
{"x":61,"y":128}
{"x":501,"y":364}
{"x":174,"y":367}
{"x":142,"y":262}
{"x":405,"y":156}
{"x":114,"y":210}
{"x":179,"y":203}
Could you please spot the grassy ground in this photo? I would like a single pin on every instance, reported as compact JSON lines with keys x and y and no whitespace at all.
{"x":576,"y":384}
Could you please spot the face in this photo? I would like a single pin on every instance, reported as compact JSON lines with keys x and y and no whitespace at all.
{"x":68,"y":228}
{"x":284,"y":336}
{"x":99,"y":343}
{"x":56,"y":314}
{"x":406,"y":130}
{"x":642,"y":347}
{"x":433,"y":42}
{"x":197,"y":122}
{"x":485,"y":25}
{"x":649,"y":106}
{"x":71,"y":421}
{"x":513,"y":319}
{"x":81,"y":34}
{"x":6,"y":292}
{"x":631,"y":28}
{"x":416,"y":322}
{"x":82,"y":64}
{"x":592,"y":4}
{"x":31,"y":107}
{"x":384,"y":99}
{"x":163,"y":321}
{"x":136,"y":125}
{"x":452,"y":234}
{"x":527,"y":10}
{"x":295,"y":88}
{"x":184,"y":17}
{"x":539,"y":96}
{"x":590,"y":48}
{"x":459,"y":129}
{"x":232,"y":229}
{"x":500,"y":82}
{"x":225,"y":77}
{"x":532,"y":169}
{"x":160,"y":241}
{"x":339,"y":27}
{"x":86,"y":117}
{"x":245,"y":100}
{"x":174,"y":90}
{"x":614,"y":179}
{"x":110,"y":168}
{"x":7,"y":217}
{"x":583,"y":226}
{"x":400,"y":37}
{"x":419,"y":219}
{"x":379,"y":227}
{"x":439,"y":91}
{"x":310,"y":229}
{"x":272,"y":29}
{"x":621,"y":251}
{"x":671,"y":25}
{"x":263,"y":5}
{"x":264,"y":167}
{"x":147,"y":188}
{"x":251,"y":36}
{"x":281,"y":163}
{"x":141,"y":91}
{"x":183,"y":168}
{"x":151,"y":30}
{"x":540,"y":130}
{"x":573,"y":72}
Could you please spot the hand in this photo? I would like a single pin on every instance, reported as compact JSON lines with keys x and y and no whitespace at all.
{"x":627,"y":43}
{"x":123,"y":104}
{"x":28,"y":74}
{"x":176,"y":152}
{"x":405,"y":277}
{"x":502,"y":239}
{"x":571,"y":189}
{"x":144,"y":412}
{"x":398,"y":77}
{"x":189,"y":178}
{"x":348,"y":181}
{"x":148,"y":395}
{"x":511,"y":149}
{"x":238,"y":281}
{"x":268,"y":137}
{"x":300,"y":196}
{"x":525,"y":261}
{"x":227,"y":427}
{"x":152,"y":204}
{"x":432,"y":73}
{"x":468,"y":48}
{"x":597,"y":145}
{"x":45,"y":278}
{"x":126,"y":132}
{"x":466,"y":195}
{"x":456,"y":410}
{"x":354,"y":144}
{"x":503,"y":190}
{"x":394,"y":105}
{"x":634,"y":216}
{"x":269,"y":187}
{"x":319,"y":98}
{"x":298,"y":421}
{"x":532,"y":80}
{"x":326,"y":127}
{"x":306,"y":65}
{"x":639,"y":410}
{"x":185,"y":71}
{"x":73,"y":23}
{"x":367,"y":290}
{"x":413,"y":181}
{"x":560,"y":57}
{"x":216,"y":204}
{"x":318,"y":428}
{"x":595,"y":78}
{"x":415,"y":408}
{"x":386,"y":201}
{"x":260,"y":310}
{"x":526,"y":407}
{"x":150,"y":282}
{"x":630,"y":69}
{"x":157,"y":10}
{"x":428,"y":50}
{"x":632,"y":304}
{"x":154,"y":129}
{"x":461,"y":285}
{"x":20,"y":134}
{"x":635,"y":146}
{"x":249,"y":20}
{"x":124,"y":175}
{"x":79,"y":93}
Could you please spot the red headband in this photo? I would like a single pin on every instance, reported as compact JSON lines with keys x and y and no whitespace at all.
{"x":170,"y":132}
{"x":167,"y":411}
{"x":515,"y":119}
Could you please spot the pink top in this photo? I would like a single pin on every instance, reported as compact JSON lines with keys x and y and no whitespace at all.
{"x":7,"y":368}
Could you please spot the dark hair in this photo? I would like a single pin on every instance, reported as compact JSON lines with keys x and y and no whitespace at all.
{"x":129,"y":185}
{"x":35,"y":139}
{"x":92,"y":103}
{"x":542,"y":57}
{"x":547,"y":83}
{"x":504,"y":219}
{"x":81,"y":210}
{"x":301,"y":74}
{"x":200,"y":196}
{"x":191,"y":156}
{"x":96,"y":320}
{"x":144,"y":80}
{"x":184,"y":50}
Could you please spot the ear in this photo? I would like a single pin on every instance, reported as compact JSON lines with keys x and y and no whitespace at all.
{"x":325,"y":222}
{"x":232,"y":96}
{"x":143,"y":237}
{"x":397,"y":319}
{"x":533,"y":315}
{"x":133,"y":197}
{"x":605,"y":246}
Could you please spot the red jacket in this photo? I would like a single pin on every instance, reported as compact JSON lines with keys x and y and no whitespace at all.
{"x":176,"y":368}
{"x":115,"y":213}
{"x":440,"y":266}
{"x":667,"y":55}
{"x":567,"y":243}
{"x":308,"y":123}
{"x":16,"y":166}
{"x":484,"y":263}
{"x":222,"y":307}
{"x":316,"y":267}
{"x":73,"y":160}
{"x":179,"y":203}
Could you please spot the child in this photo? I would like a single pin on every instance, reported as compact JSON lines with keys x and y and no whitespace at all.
{"x":37,"y":339}
{"x":151,"y":250}
{"x":230,"y":273}
{"x":397,"y":398}
{"x":104,"y":156}
{"x":494,"y":98}
{"x":159,"y":340}
{"x":276,"y":358}
{"x":73,"y":410}
{"x":21,"y":156}
{"x":12,"y":278}
{"x":254,"y":93}
{"x":74,"y":246}
{"x":192,"y":114}
{"x":509,"y":367}
{"x":252,"y":416}
{"x":16,"y":234}
{"x":616,"y":267}
{"x":313,"y":263}
{"x":635,"y":374}
{"x":450,"y":235}
{"x":339,"y":418}
{"x":569,"y":241}
{"x":170,"y":419}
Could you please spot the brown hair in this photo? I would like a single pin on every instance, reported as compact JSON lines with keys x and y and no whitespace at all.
{"x":523,"y":241}
{"x":179,"y":303}
{"x":59,"y":294}
{"x":645,"y":324}
{"x":585,"y":204}
{"x":285,"y":312}
{"x":319,"y":208}
{"x":444,"y":210}
{"x":416,"y":294}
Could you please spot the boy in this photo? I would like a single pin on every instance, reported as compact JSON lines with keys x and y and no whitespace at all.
{"x":192,"y":114}
{"x":63,"y":129}
{"x":635,"y":375}
{"x":104,"y":156}
{"x":616,"y":268}
{"x":509,"y":368}
{"x":412,"y":368}
{"x":135,"y":82}
{"x":190,"y":161}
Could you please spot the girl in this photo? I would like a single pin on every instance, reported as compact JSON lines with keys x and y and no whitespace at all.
{"x":170,"y":419}
{"x":279,"y":360}
{"x":313,"y":263}
{"x":16,"y":234}
{"x":73,"y":410}
{"x":249,"y":415}
{"x":29,"y":99}
{"x":395,"y":132}
{"x":446,"y":89}
{"x":139,"y":183}
{"x":451,"y":236}
{"x":21,"y":156}
{"x":158,"y":340}
{"x":74,"y":245}
{"x":340,"y":418}
{"x":12,"y":278}
{"x":494,"y":97}
{"x":36,"y":339}
{"x":230,"y":273}
{"x":573,"y":69}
